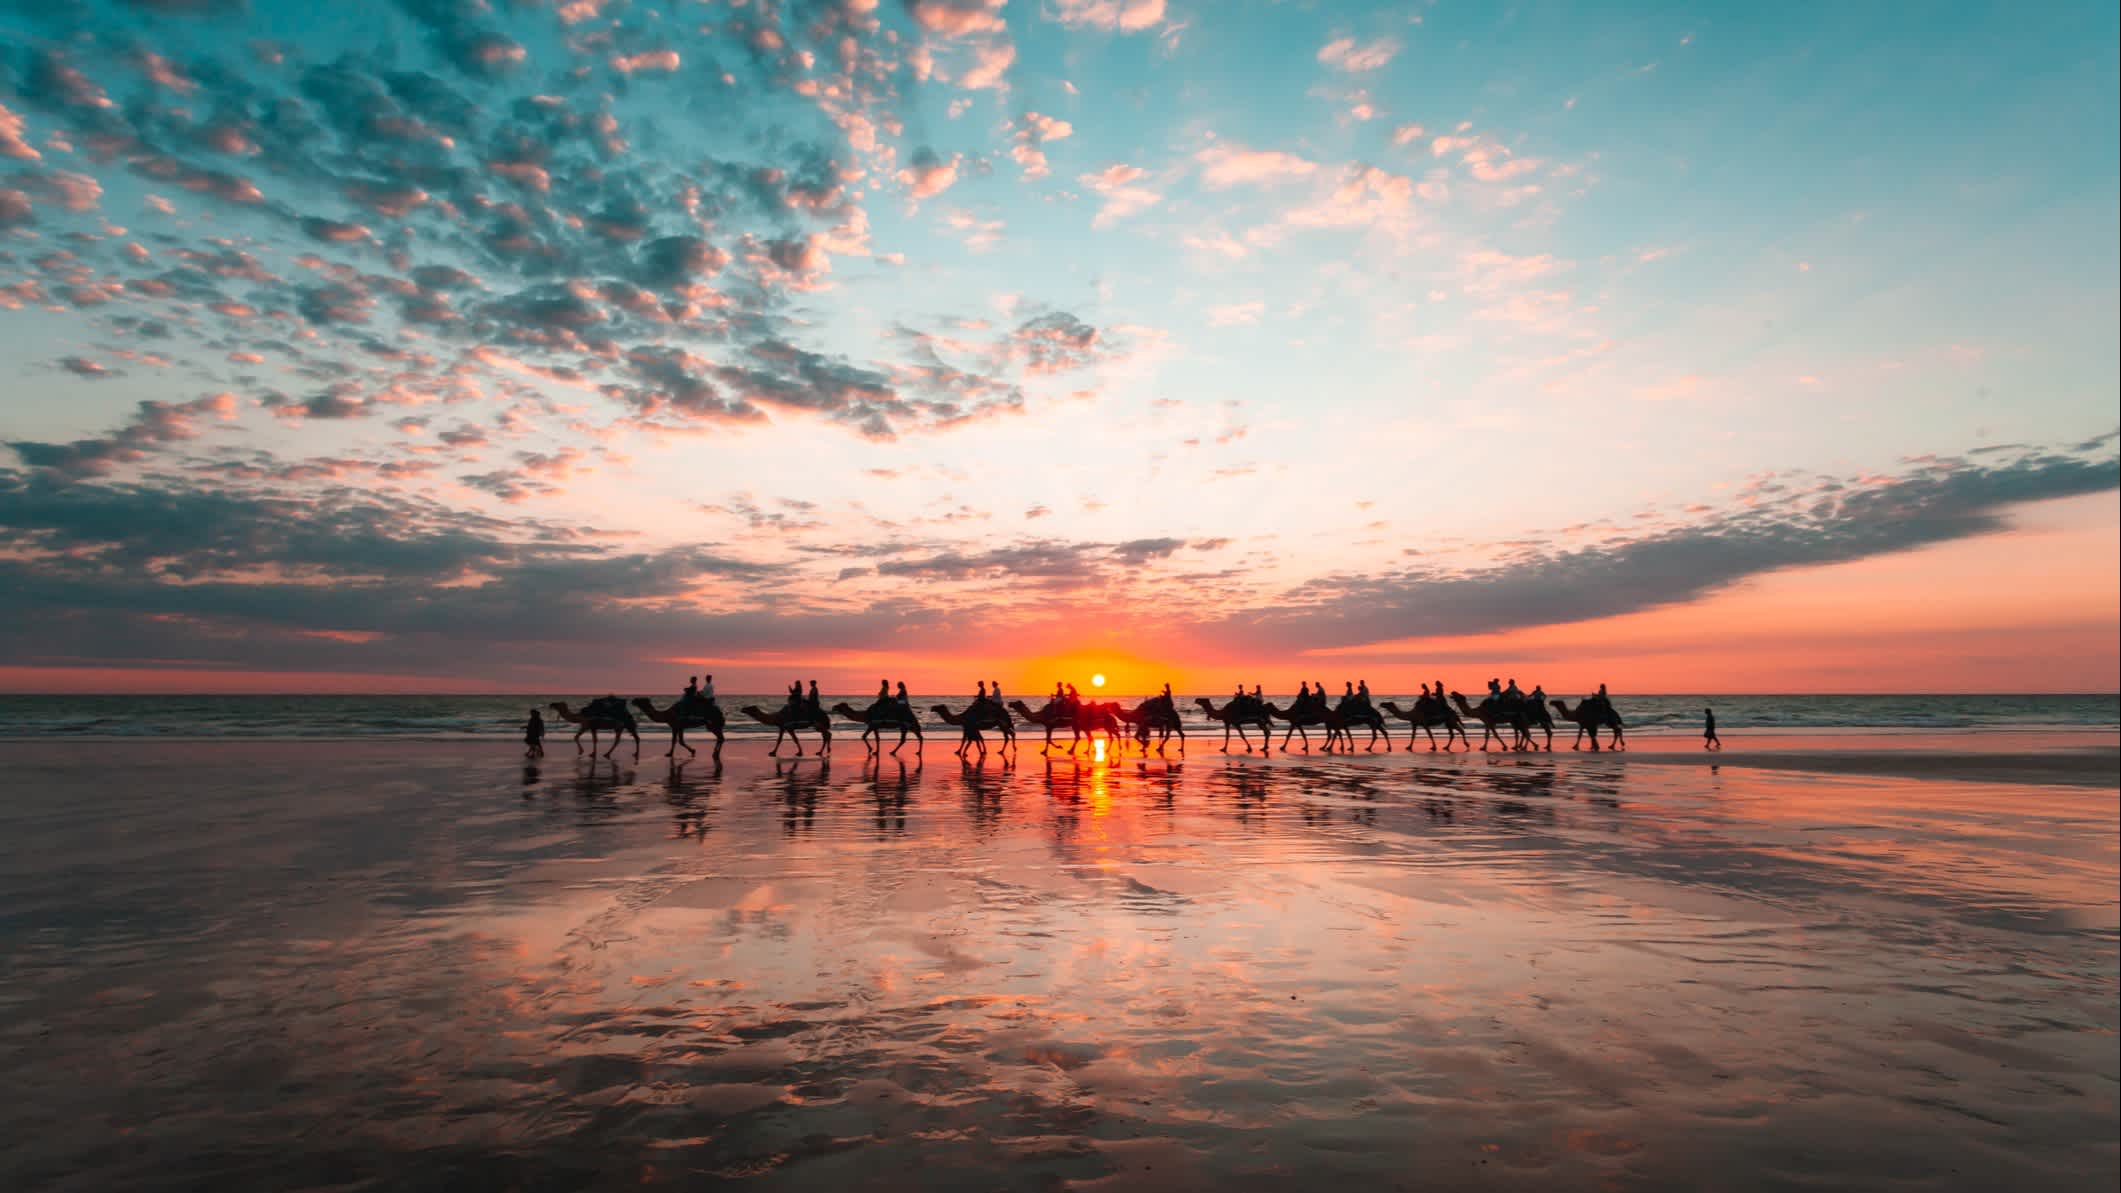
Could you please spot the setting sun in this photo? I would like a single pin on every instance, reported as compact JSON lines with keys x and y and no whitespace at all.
{"x":1098,"y":680}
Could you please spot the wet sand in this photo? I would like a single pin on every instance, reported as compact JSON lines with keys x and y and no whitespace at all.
{"x":378,"y":965}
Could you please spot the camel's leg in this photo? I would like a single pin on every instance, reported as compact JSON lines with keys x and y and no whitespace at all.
{"x":779,"y":732}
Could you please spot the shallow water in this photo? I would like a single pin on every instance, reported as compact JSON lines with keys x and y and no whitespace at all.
{"x":263,"y":966}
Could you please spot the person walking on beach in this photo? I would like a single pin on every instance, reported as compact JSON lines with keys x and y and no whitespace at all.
{"x":534,"y":736}
{"x":1709,"y":740}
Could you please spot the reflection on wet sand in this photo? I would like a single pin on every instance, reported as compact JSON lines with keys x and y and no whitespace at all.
{"x":1156,"y":973}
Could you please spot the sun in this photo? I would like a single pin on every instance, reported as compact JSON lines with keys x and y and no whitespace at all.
{"x":1098,"y":680}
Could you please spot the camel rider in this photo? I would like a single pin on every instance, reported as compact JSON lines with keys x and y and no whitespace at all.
{"x":707,"y":690}
{"x":1539,"y":696}
{"x":795,"y":695}
{"x":883,"y":690}
{"x":1439,"y":692}
{"x":1513,"y":693}
{"x":1170,"y":701}
{"x":1075,"y":698}
{"x":1303,"y":695}
{"x":692,"y":689}
{"x":905,"y":702}
{"x":1494,"y":691}
{"x":982,"y":697}
{"x":815,"y":707}
{"x":1362,"y":691}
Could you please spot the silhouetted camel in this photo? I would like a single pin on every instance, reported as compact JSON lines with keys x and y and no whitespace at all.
{"x":695,"y":714}
{"x":1489,"y":716}
{"x":882,"y":715}
{"x":980,"y":714}
{"x":1537,"y":717}
{"x":1090,"y":718}
{"x":1427,"y":713}
{"x":789,"y":718}
{"x":1155,"y":715}
{"x":1336,"y":722}
{"x":1233,"y":717}
{"x":605,"y":712}
{"x":1590,"y":718}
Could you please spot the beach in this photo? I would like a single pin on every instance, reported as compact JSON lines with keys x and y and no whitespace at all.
{"x":1849,"y":961}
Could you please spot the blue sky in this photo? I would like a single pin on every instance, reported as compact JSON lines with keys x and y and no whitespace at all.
{"x":859,"y":324}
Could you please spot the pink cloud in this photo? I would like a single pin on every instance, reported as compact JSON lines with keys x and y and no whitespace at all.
{"x":990,"y":63}
{"x":164,"y":73}
{"x":1344,"y":54}
{"x":957,"y":18}
{"x":656,"y":60}
{"x":928,"y":175}
{"x":1033,"y":131}
{"x":12,"y":143}
{"x":1125,"y":16}
{"x":1223,"y":166}
{"x":1122,"y":197}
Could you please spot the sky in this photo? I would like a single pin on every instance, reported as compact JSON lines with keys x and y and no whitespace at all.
{"x":526,"y":345}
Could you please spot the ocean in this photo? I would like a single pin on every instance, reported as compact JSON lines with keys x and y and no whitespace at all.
{"x":501,"y":717}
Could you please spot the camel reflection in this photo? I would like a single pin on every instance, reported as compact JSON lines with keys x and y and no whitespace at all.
{"x":687,"y":795}
{"x":1247,"y":786}
{"x":798,"y":784}
{"x":892,"y":794}
{"x":983,"y":791}
{"x":596,"y":783}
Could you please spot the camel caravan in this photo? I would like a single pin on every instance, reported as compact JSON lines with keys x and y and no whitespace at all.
{"x":1509,"y":719}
